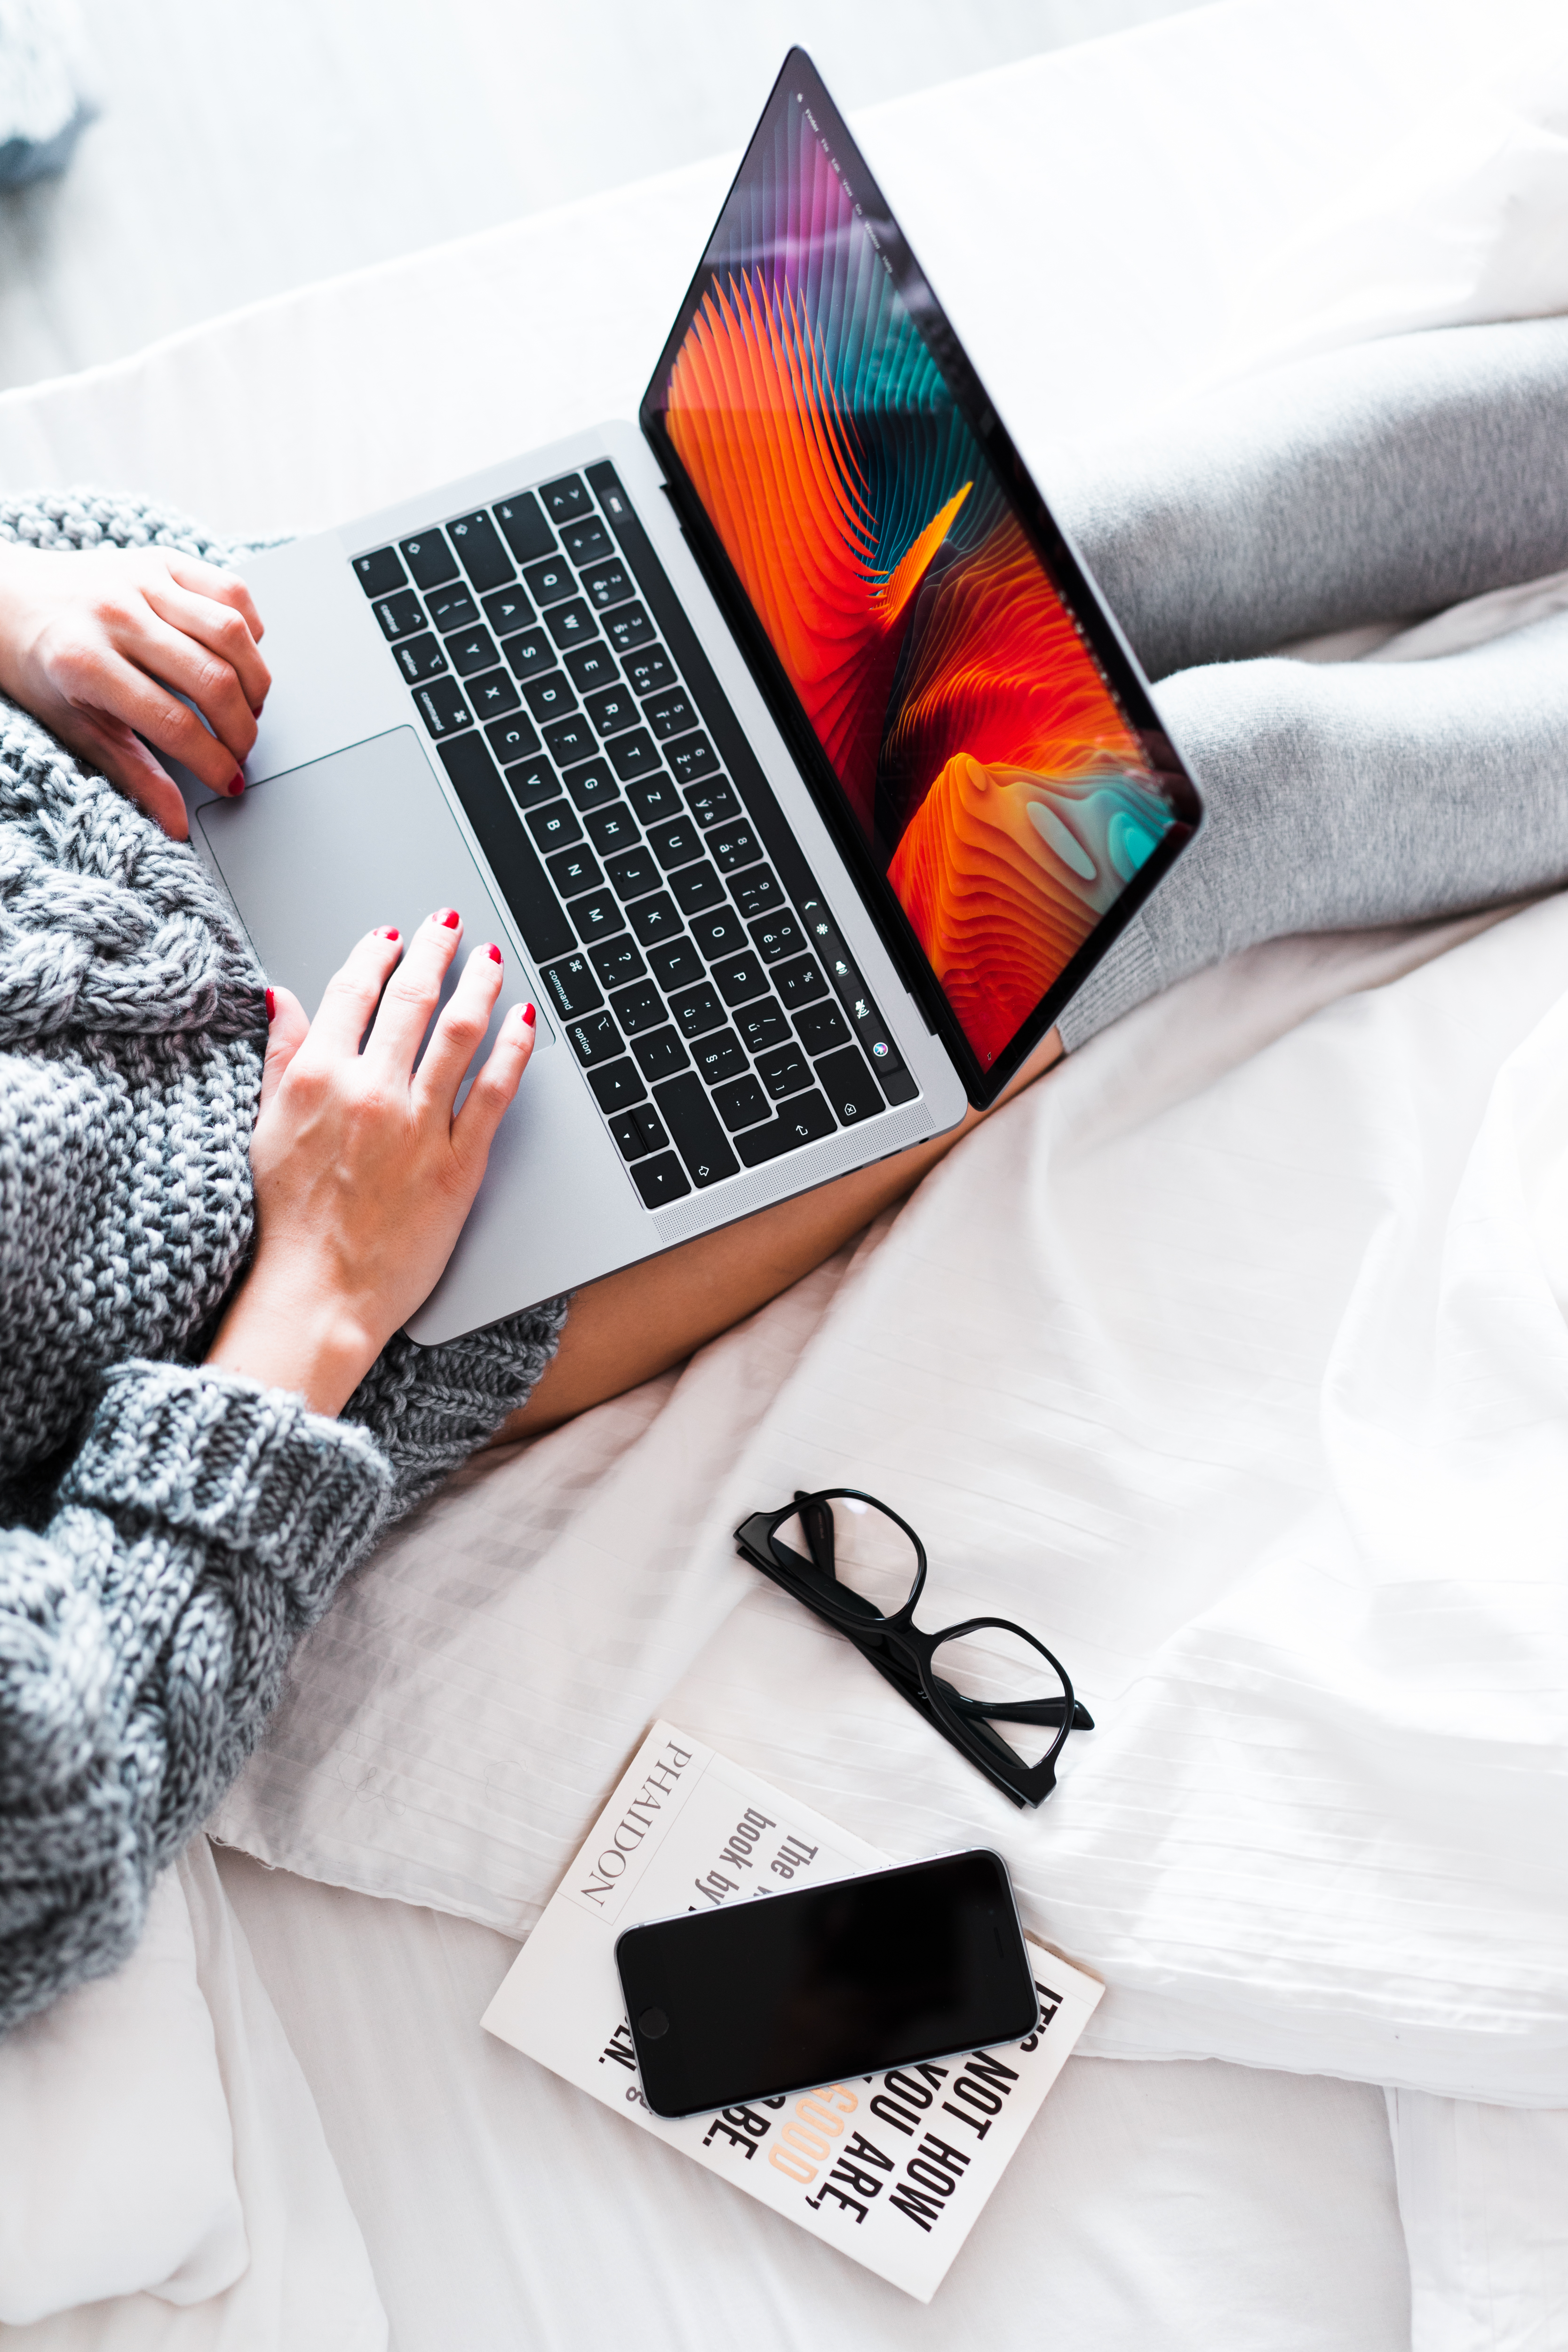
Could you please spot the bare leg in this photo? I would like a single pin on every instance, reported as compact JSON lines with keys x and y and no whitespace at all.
{"x":631,"y":1325}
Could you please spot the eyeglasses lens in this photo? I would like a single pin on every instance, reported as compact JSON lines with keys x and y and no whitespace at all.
{"x":857,"y":1543}
{"x":996,"y":1668}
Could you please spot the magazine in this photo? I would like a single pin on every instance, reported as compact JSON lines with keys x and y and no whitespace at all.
{"x":892,"y":2169}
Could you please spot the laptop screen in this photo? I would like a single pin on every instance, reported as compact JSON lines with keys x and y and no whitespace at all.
{"x":813,"y":398}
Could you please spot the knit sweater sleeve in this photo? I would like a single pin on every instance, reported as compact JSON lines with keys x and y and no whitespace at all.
{"x":428,"y":1408}
{"x":202,"y":1526}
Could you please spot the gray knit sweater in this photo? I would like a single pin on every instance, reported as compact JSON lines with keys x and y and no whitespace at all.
{"x":167,"y":1533}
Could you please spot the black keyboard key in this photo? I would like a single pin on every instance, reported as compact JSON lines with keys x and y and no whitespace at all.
{"x":550,"y":698}
{"x":571,"y":624}
{"x":507,"y":609}
{"x":592,"y":667}
{"x":598,"y":917}
{"x":585,"y":542}
{"x":756,"y":892}
{"x":650,"y":670}
{"x":472,"y":650}
{"x":443,"y":709}
{"x":429,"y":559}
{"x":550,"y":583}
{"x":697,"y":888}
{"x":555,"y":827}
{"x":692,"y":758}
{"x":698,"y":1138}
{"x":661,"y":1055}
{"x":740,"y":980}
{"x":675,"y":843}
{"x":799,"y":982}
{"x":696,"y":1010}
{"x":480,"y":551}
{"x":660,"y":1179}
{"x":741,"y":1103}
{"x":655,"y":798}
{"x":618,"y":961}
{"x":523,"y":528}
{"x":380,"y":572}
{"x":734,"y":846}
{"x":613,"y":710}
{"x":785,"y":1071}
{"x":629,"y":1137}
{"x":511,"y":739}
{"x":628,"y":627}
{"x":607,"y":583}
{"x":719,"y":1057}
{"x":763,"y":1025}
{"x":492,"y":693}
{"x":573,"y":871}
{"x":712,"y":804}
{"x":612,"y":829}
{"x":849,"y":1086}
{"x":806,"y":1120}
{"x":510,"y":854}
{"x":618,"y":1087}
{"x":594,"y":1039}
{"x":633,"y":873}
{"x":419,"y":658}
{"x":530,"y":781}
{"x":400,"y":616}
{"x":655,"y":920}
{"x":670,"y":714}
{"x":452,"y":608}
{"x":674,"y":964}
{"x":567,"y":499}
{"x":654,"y":1133}
{"x":529,"y":652}
{"x":592,"y":785}
{"x":720,"y":933}
{"x":631,"y":755}
{"x":777,"y":935}
{"x":571,"y":986}
{"x":570,"y":739}
{"x":639,"y":1007}
{"x":822,"y":1026}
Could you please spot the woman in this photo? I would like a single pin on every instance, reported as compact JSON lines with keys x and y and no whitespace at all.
{"x":207,"y":1412}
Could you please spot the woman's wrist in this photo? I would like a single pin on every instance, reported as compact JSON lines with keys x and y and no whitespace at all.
{"x":294,"y":1334}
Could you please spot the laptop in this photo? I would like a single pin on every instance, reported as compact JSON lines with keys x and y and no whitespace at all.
{"x":780,"y":741}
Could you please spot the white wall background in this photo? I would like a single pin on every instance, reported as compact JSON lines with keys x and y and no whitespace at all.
{"x":248,"y":146}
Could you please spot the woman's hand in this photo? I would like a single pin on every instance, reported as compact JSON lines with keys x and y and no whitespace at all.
{"x":91,"y":645}
{"x":363,"y":1176}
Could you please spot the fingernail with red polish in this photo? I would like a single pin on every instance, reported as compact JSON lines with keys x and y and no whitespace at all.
{"x":235,"y":785}
{"x":529,"y":1016}
{"x":494,"y":953}
{"x":271,"y":1004}
{"x":388,"y":931}
{"x":447,"y":916}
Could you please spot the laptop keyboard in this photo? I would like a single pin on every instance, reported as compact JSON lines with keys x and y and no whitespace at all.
{"x":718,"y":1016}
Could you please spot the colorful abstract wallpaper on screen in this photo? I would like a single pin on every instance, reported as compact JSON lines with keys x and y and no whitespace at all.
{"x":969,"y":724}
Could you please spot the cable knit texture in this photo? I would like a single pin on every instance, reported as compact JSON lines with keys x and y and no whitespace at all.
{"x":167,"y":1533}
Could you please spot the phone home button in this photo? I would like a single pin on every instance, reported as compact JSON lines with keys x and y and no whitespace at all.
{"x":652,"y":2023}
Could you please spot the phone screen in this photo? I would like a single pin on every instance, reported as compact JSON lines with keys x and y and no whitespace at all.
{"x":824,"y":1983}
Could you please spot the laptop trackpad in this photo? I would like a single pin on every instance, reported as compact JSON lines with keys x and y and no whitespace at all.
{"x":318,"y":857}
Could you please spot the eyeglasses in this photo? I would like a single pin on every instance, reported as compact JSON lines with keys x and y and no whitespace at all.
{"x":861,"y":1569}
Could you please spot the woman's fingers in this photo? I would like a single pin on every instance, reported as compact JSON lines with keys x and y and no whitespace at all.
{"x":411,"y":996}
{"x":459,"y":1032}
{"x":223,"y":587}
{"x":103,"y":688}
{"x":109,"y":744}
{"x":201,"y":621}
{"x":172,"y":658}
{"x":492,"y":1093}
{"x":287,"y":1030}
{"x":349,"y":1003}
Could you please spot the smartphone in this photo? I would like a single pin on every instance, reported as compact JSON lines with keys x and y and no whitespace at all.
{"x":785,"y":1991}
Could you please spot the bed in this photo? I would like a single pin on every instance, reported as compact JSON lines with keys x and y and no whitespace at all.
{"x":1231,"y":1354}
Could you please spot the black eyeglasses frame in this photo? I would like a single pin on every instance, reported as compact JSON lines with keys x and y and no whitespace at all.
{"x":902,"y":1654}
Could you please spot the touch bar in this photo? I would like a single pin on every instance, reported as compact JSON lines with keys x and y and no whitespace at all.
{"x":510,"y":854}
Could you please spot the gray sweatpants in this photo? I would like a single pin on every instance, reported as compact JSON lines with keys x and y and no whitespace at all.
{"x":1377,"y":484}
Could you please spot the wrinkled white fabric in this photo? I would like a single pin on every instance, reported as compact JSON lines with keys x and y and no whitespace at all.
{"x":1482,"y":2196}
